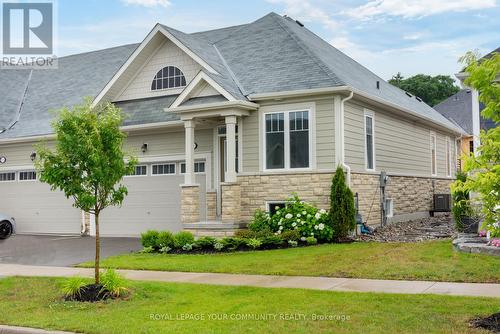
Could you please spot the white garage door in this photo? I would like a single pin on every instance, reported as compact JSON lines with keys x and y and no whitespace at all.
{"x":153,"y":201}
{"x":36,"y":208}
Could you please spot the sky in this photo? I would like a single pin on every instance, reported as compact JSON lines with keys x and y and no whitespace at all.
{"x":387,"y":36}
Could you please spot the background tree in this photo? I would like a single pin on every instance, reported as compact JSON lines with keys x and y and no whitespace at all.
{"x":88,"y":161}
{"x":431,"y":90}
{"x":483,"y":168}
{"x":342,"y":209}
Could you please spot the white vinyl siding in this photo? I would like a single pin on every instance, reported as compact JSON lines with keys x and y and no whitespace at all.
{"x":433,"y":149}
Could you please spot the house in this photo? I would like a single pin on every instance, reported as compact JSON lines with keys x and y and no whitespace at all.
{"x":225,"y":122}
{"x":464,"y":109}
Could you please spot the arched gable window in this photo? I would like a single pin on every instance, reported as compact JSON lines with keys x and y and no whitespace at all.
{"x":168,"y":77}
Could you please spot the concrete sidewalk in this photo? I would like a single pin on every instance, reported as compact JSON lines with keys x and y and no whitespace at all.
{"x":266,"y":281}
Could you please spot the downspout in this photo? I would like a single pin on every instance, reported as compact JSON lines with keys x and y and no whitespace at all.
{"x":339,"y":134}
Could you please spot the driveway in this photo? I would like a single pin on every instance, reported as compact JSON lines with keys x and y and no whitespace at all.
{"x":60,"y":250}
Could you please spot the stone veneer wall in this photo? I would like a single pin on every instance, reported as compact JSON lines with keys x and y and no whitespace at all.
{"x":211,"y":199}
{"x":190,"y":204}
{"x":231,"y":202}
{"x":410,"y":194}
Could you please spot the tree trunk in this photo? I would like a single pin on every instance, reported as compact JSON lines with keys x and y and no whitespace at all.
{"x":97,"y":248}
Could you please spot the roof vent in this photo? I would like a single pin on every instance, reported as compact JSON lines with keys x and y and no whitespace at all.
{"x":299,"y":23}
{"x":418,"y":99}
{"x":378,"y":84}
{"x":409,"y":95}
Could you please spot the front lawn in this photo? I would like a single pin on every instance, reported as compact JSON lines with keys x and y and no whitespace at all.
{"x":433,"y":260}
{"x":190,"y":308}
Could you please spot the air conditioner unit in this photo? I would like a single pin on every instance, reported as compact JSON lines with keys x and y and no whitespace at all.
{"x":442,"y":203}
{"x":389,"y":207}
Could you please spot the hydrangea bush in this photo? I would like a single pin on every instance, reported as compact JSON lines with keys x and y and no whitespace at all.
{"x":308,"y":220}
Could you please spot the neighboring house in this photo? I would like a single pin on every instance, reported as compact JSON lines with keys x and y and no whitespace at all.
{"x":464,"y":109}
{"x":225,"y":122}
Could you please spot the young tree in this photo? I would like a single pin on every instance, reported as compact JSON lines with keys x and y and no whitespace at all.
{"x":483,"y":168}
{"x":88,"y":161}
{"x":342,"y":209}
{"x":431,"y":90}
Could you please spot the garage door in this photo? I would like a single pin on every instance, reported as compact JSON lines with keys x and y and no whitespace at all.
{"x":153,"y":201}
{"x":36,"y":208}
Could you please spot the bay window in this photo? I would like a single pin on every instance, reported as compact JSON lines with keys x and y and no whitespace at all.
{"x":287,"y":140}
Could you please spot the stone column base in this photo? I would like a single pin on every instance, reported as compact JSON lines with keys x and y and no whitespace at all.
{"x":211,"y":197}
{"x":231,"y":202}
{"x":190,"y":203}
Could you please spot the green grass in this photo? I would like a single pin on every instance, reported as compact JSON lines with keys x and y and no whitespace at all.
{"x":434,"y":260}
{"x":37,"y":302}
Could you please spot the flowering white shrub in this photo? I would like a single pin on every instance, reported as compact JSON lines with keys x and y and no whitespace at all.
{"x":303,"y":217}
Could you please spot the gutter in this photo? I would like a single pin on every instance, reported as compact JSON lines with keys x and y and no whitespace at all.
{"x":339,"y":104}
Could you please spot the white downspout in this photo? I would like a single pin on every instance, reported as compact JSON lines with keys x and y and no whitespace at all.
{"x":339,"y":134}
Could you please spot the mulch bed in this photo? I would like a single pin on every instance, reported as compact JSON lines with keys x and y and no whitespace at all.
{"x":430,"y":228}
{"x":91,"y":293}
{"x":491,"y":323}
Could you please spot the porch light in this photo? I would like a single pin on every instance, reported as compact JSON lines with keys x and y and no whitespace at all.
{"x":144,"y":148}
{"x":33,"y":156}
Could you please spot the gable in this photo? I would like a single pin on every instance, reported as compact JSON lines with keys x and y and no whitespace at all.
{"x":167,"y":54}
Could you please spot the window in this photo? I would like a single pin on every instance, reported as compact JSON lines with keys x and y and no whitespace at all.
{"x":168,"y":77}
{"x":27,"y":176}
{"x":140,"y":170}
{"x":164,"y":169}
{"x":272,"y":207}
{"x":471,"y":146}
{"x":433,"y":154}
{"x":369,"y":142}
{"x":8,"y":176}
{"x":199,"y":167}
{"x":448,"y":157}
{"x":287,"y":142}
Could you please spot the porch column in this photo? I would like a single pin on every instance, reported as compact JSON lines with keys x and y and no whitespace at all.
{"x":189,"y":178}
{"x":231,"y":148}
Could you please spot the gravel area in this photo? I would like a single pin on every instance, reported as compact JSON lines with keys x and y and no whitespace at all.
{"x":430,"y":228}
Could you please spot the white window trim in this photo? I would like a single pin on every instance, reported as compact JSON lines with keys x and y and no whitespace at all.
{"x":371,"y":114}
{"x":26,"y":171}
{"x":139,"y":165}
{"x":448,"y":157}
{"x":164,"y":163}
{"x":433,"y":157}
{"x":287,"y":109}
{"x":9,"y":172}
{"x":199,"y":173}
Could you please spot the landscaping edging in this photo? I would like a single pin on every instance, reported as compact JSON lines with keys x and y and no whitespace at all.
{"x":471,"y":243}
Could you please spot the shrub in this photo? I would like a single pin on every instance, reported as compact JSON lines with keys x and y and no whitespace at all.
{"x":114,"y":283}
{"x":342,"y":209}
{"x":187,"y":247}
{"x":248,"y":234}
{"x":205,"y":243}
{"x":72,"y":287}
{"x":260,"y":221}
{"x":165,"y":239}
{"x":218,"y":246}
{"x":165,"y":249}
{"x":182,"y":238}
{"x":292,"y":235}
{"x":150,"y":239}
{"x":306,"y":219}
{"x":233,"y":243}
{"x":292,"y":243}
{"x":271,"y":242}
{"x":311,"y":241}
{"x":461,"y":206}
{"x":147,"y":250}
{"x":253,"y":243}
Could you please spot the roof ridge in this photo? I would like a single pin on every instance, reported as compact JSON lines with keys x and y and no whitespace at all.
{"x":218,"y":29}
{"x":98,"y":50}
{"x":318,"y":61}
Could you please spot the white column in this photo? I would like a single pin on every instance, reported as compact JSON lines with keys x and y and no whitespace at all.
{"x":189,"y":178}
{"x":231,"y":148}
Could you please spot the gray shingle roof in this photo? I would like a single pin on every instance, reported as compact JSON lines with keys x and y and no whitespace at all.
{"x":76,"y":77}
{"x":272,"y":54}
{"x":458,"y":109}
{"x":204,"y":100}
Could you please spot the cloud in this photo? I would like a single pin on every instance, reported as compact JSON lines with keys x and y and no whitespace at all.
{"x":304,"y":10}
{"x":415,"y":8}
{"x":413,"y":37}
{"x":148,"y":3}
